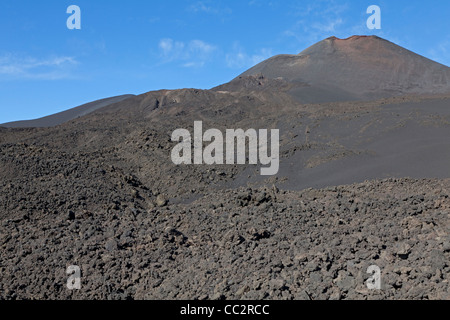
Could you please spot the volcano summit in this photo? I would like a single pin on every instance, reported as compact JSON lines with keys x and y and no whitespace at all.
{"x":357,"y":68}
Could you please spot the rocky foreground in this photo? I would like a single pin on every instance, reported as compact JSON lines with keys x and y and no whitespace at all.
{"x":240,"y":244}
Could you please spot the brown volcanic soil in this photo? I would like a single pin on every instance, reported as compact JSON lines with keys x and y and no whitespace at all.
{"x":101,"y":192}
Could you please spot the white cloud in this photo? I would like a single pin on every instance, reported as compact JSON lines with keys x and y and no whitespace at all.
{"x":53,"y":68}
{"x":200,"y":47}
{"x":238,"y":58}
{"x":318,"y":20}
{"x":171,"y":49}
{"x":197,"y":53}
{"x":441,"y":52}
{"x":328,"y":26}
{"x":194,"y":64}
{"x":194,"y":53}
{"x":208,"y":7}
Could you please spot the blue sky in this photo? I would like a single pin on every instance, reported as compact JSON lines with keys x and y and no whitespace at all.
{"x":136,"y":46}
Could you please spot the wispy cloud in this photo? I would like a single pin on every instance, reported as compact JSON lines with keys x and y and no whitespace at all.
{"x":441,"y":52}
{"x":260,"y":3}
{"x":239,"y":58}
{"x":197,"y":53}
{"x":209,"y":7}
{"x":52,"y":68}
{"x":327,"y":26}
{"x":170,"y":49}
{"x":194,"y":53}
{"x":317,"y":20}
